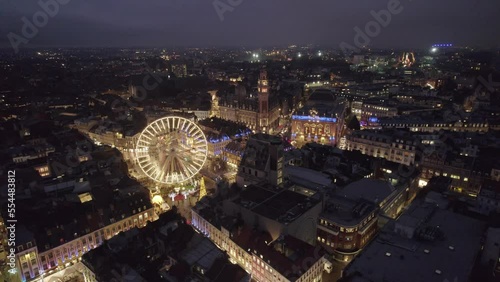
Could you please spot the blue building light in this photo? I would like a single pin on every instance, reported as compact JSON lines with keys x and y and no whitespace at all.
{"x":442,"y":45}
{"x":310,"y":118}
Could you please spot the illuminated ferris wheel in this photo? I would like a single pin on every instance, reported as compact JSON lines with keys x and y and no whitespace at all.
{"x":171,"y":150}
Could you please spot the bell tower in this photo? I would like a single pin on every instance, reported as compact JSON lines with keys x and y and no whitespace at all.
{"x":263,"y":89}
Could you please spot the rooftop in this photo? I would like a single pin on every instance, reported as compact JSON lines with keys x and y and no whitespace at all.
{"x":262,"y":137}
{"x":491,"y":189}
{"x":491,"y":251}
{"x":287,"y":254}
{"x":235,"y":147}
{"x":373,"y":190}
{"x":346,"y":212}
{"x":307,"y":177}
{"x":329,"y":111}
{"x":204,"y":253}
{"x":224,"y":127}
{"x":258,"y":151}
{"x":443,"y":248}
{"x":223,"y":271}
{"x":322,"y":95}
{"x":166,"y":247}
{"x":280,"y":205}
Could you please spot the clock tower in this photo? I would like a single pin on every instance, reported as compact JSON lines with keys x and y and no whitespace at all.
{"x":263,"y":90}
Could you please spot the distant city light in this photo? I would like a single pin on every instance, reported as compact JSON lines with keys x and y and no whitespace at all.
{"x":442,"y":45}
{"x":434,"y":49}
{"x":299,"y":55}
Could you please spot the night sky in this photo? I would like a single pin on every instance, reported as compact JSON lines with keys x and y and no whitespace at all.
{"x":171,"y":23}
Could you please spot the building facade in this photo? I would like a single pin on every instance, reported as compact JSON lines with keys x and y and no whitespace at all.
{"x":261,"y":115}
{"x":262,"y":160}
{"x":321,"y":120}
{"x":34,"y":261}
{"x":402,"y":150}
{"x":255,"y":257}
{"x":464,"y":179}
{"x":377,"y":110}
{"x":346,"y":226}
{"x":233,"y":152}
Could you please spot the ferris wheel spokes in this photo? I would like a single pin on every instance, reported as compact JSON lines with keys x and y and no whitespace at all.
{"x":171,"y":150}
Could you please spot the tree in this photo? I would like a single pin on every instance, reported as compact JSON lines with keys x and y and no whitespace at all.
{"x":353,"y":123}
{"x":348,"y":111}
{"x":203,"y":189}
{"x":461,"y":96}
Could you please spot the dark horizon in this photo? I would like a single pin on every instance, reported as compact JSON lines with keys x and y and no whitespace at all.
{"x":253,"y":24}
{"x":250,"y":48}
